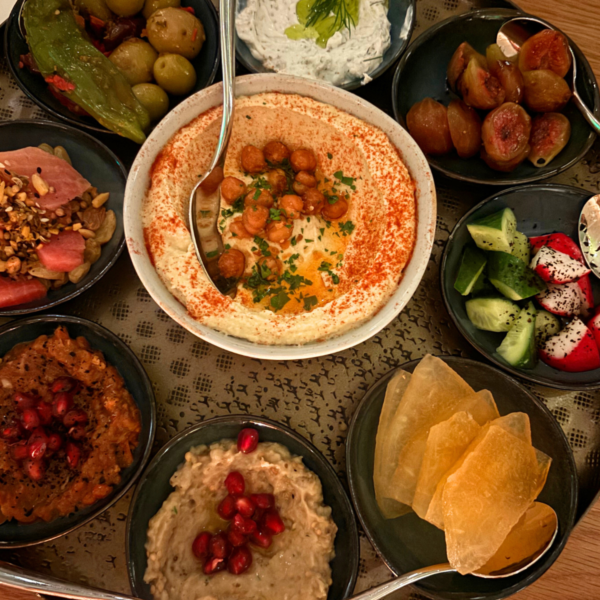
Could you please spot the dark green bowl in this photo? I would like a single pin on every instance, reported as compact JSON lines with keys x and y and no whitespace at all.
{"x":154,"y":488}
{"x":206,"y":65}
{"x":408,"y":542}
{"x":421,"y":73}
{"x":17,"y":535}
{"x":100,"y":167}
{"x":540,"y":209}
{"x":402,"y":16}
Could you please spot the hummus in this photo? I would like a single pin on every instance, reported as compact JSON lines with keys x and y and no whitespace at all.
{"x":296,"y":566}
{"x":364,"y":254}
{"x":349,"y":54}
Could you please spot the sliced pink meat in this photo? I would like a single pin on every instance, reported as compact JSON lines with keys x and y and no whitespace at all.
{"x":19,"y":292}
{"x":63,"y":252}
{"x":56,"y":172}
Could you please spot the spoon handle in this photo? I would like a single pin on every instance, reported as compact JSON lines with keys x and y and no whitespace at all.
{"x":586,"y":112}
{"x":23,"y":579}
{"x":381,"y":591}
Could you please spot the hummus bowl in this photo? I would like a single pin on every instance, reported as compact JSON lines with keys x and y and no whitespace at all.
{"x":155,"y":494}
{"x":391,"y":218}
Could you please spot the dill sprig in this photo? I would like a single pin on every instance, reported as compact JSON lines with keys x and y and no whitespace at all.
{"x":321,"y":9}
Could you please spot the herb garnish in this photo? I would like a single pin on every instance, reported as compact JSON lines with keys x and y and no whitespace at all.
{"x":347,"y":227}
{"x":274,"y":214}
{"x":238,"y":206}
{"x":263,"y":245}
{"x":212,"y":254}
{"x":326,"y":268}
{"x":349,"y":181}
{"x":309,"y":302}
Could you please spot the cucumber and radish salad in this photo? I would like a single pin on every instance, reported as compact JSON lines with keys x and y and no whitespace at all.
{"x":536,"y":291}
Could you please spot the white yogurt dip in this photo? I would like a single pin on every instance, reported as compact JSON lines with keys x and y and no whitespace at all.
{"x":349,"y":55}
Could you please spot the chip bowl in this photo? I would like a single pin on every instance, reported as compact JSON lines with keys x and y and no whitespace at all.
{"x":412,"y":156}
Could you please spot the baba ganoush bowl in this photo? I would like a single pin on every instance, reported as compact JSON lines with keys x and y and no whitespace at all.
{"x":117,"y":354}
{"x":154,"y":488}
{"x":394,"y":250}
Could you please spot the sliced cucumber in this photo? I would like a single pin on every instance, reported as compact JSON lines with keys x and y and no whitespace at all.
{"x":518,"y":347}
{"x":520,"y":247}
{"x":512,"y":277}
{"x":546,"y":324}
{"x":483,"y":286}
{"x":471,"y":267}
{"x":492,"y":314}
{"x":495,"y":232}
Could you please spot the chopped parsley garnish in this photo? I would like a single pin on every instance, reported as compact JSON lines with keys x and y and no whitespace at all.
{"x":309,"y":302}
{"x":212,"y":254}
{"x":279,"y":300}
{"x":275,"y":214}
{"x":326,"y":268}
{"x":237,"y":206}
{"x":293,"y":241}
{"x":347,"y":227}
{"x":329,"y":155}
{"x":260,"y":183}
{"x":174,"y":510}
{"x":309,"y":241}
{"x":263,"y":245}
{"x":294,"y":281}
{"x":257,"y":194}
{"x":291,"y":260}
{"x":248,"y":117}
{"x":227,"y":246}
{"x":322,"y":230}
{"x":349,"y":181}
{"x":327,"y":224}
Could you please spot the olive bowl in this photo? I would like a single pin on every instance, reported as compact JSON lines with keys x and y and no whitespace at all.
{"x":154,"y":487}
{"x":421,"y":73}
{"x":540,"y":209}
{"x":116,"y":353}
{"x":100,"y":167}
{"x":408,"y":543}
{"x":402,"y":17}
{"x":206,"y":65}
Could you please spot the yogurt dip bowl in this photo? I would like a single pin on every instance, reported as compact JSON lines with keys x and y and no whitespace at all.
{"x":154,"y":152}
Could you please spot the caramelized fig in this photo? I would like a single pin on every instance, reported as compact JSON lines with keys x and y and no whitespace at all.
{"x":493,"y":53}
{"x":547,"y":49}
{"x":459,"y":61}
{"x":505,"y":133}
{"x":508,"y":165}
{"x":427,"y":122}
{"x":545,"y":91}
{"x":510,"y":78}
{"x":465,"y":128}
{"x":550,"y":133}
{"x":479,"y":88}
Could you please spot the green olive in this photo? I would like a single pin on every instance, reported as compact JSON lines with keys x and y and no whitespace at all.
{"x":97,"y":8}
{"x":151,"y":6}
{"x":175,"y":31}
{"x":175,"y":74}
{"x":125,"y":8}
{"x":153,"y":98}
{"x":135,"y":59}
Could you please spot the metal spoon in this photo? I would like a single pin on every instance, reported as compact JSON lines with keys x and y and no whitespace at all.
{"x":514,"y":33}
{"x":530,"y":544}
{"x":204,"y":205}
{"x":589,"y":233}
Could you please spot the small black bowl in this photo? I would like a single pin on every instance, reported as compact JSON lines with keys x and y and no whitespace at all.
{"x":154,"y":488}
{"x":100,"y":167}
{"x":402,"y":16}
{"x":118,"y":354}
{"x":206,"y":65}
{"x":540,"y":209}
{"x":421,"y":73}
{"x":408,"y":542}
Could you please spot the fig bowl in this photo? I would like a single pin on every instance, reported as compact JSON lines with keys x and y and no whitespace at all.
{"x":430,"y":54}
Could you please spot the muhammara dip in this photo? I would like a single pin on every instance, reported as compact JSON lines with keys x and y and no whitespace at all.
{"x":335,"y":273}
{"x":296,"y":566}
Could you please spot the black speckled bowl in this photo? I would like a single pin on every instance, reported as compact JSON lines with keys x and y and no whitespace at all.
{"x":421,"y":73}
{"x":17,"y":535}
{"x":154,"y":488}
{"x":408,"y":543}
{"x":100,"y":167}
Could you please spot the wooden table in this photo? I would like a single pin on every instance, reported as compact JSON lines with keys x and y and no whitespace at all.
{"x":576,"y":574}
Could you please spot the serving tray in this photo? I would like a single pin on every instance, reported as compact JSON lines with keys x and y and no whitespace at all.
{"x":194,"y":381}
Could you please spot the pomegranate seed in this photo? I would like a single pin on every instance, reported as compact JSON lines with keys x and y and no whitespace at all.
{"x":12,"y":432}
{"x":75,"y":416}
{"x":264,"y":501}
{"x":77,"y":433}
{"x":245,"y":506}
{"x":44,"y":410}
{"x":37,"y":444}
{"x":247,"y":440}
{"x":235,"y":484}
{"x":236,"y":538}
{"x":240,"y":560}
{"x":226,"y":508}
{"x":31,"y":419}
{"x":73,"y":454}
{"x":273,"y":522}
{"x":19,"y":450}
{"x":61,"y":405}
{"x":261,"y":538}
{"x":243,"y":525}
{"x":213,"y":565}
{"x":219,"y":545}
{"x":54,"y":442}
{"x":24,"y":401}
{"x":65,"y":384}
{"x":200,"y":545}
{"x":34,"y":469}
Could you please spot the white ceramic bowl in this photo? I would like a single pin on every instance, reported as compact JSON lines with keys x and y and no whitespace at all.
{"x":248,"y":85}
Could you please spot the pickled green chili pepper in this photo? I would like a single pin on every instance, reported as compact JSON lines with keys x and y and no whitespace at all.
{"x":70,"y":61}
